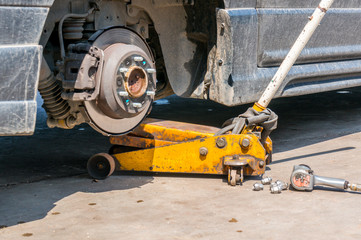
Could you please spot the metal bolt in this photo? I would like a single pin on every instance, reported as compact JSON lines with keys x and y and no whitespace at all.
{"x":137,"y":105}
{"x":275,"y":189}
{"x":151,"y":70}
{"x":261,"y":164}
{"x":138,"y":59}
{"x":220,"y":62}
{"x":257,"y":187}
{"x":123,"y":93}
{"x":150,"y":93}
{"x":245,"y":143}
{"x":203,"y":151}
{"x":266,"y":180}
{"x":123,"y":70}
{"x":221,"y":142}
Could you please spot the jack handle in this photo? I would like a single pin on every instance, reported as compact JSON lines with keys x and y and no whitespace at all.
{"x":292,"y":56}
{"x":247,"y":121}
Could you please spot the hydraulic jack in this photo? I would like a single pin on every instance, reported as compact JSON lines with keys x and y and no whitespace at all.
{"x":241,"y":148}
{"x":175,"y":147}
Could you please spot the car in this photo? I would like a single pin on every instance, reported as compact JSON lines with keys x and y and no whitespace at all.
{"x":105,"y":62}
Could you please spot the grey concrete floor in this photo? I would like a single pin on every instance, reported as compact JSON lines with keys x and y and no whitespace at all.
{"x":45,"y":192}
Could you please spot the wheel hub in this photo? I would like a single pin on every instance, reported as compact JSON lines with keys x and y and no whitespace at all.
{"x":136,"y":81}
{"x":127,"y":84}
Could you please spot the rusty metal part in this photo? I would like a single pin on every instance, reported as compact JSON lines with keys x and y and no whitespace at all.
{"x":248,"y":164}
{"x":258,"y":187}
{"x":136,"y":81}
{"x":266,"y":180}
{"x":67,"y":123}
{"x":127,"y":83}
{"x":233,"y":177}
{"x":86,"y":87}
{"x":101,"y":165}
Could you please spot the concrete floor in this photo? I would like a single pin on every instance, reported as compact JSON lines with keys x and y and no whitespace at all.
{"x":45,"y":192}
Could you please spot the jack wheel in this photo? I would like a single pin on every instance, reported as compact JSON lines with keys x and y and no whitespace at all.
{"x":100,"y":166}
{"x":232,"y":177}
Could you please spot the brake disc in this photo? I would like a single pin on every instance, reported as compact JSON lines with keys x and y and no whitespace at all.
{"x":127,"y":84}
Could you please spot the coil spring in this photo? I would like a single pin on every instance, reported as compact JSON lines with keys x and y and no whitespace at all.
{"x":73,"y":28}
{"x":50,"y":91}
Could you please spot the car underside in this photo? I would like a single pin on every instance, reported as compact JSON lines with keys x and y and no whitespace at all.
{"x":105,"y":62}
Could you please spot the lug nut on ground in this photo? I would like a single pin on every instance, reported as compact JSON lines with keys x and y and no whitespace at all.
{"x":278,"y":187}
{"x":257,"y":187}
{"x":275,"y":188}
{"x":266,"y":180}
{"x":283,"y":185}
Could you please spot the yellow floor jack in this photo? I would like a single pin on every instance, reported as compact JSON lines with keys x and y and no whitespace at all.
{"x":175,"y":147}
{"x":241,"y":148}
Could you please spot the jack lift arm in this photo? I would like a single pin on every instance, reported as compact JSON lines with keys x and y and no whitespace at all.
{"x":241,"y":148}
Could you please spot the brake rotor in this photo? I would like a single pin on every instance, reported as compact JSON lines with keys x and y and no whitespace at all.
{"x":127,"y":86}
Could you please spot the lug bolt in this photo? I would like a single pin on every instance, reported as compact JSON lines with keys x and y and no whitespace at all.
{"x":257,"y":187}
{"x":203,"y":151}
{"x":123,"y":94}
{"x":221,"y":142}
{"x":151,"y":70}
{"x":266,"y":180}
{"x":123,"y":70}
{"x":150,"y":93}
{"x":137,"y":105}
{"x":138,"y":59}
{"x":261,"y":164}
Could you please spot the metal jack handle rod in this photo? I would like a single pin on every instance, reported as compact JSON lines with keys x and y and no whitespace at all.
{"x":293,"y":54}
